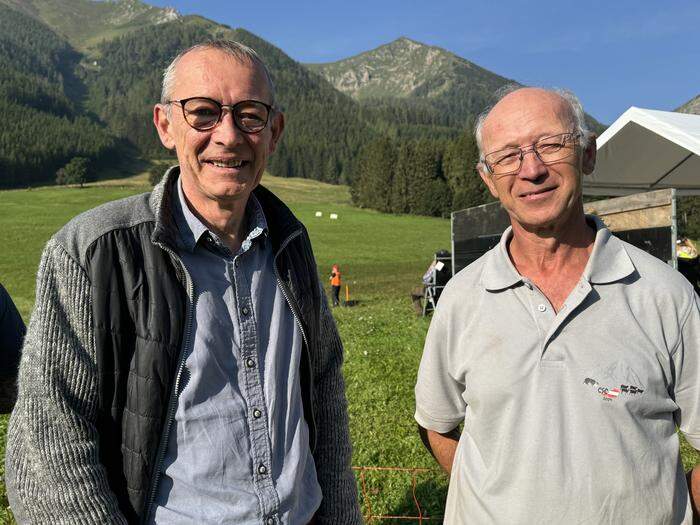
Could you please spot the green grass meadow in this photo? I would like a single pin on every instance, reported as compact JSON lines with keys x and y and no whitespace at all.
{"x":381,"y":258}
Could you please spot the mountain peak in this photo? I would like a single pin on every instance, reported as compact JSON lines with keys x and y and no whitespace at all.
{"x":692,"y":106}
{"x":405,"y":68}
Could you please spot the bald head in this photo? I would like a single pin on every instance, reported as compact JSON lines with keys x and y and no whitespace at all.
{"x":516,"y":106}
{"x":239,"y":52}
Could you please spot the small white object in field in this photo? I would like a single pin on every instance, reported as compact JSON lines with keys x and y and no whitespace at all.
{"x":319,"y":214}
{"x":439,"y":266}
{"x":334,"y":215}
{"x":365,"y":352}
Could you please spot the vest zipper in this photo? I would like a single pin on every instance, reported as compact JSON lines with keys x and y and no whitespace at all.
{"x":297,"y":318}
{"x":174,"y":392}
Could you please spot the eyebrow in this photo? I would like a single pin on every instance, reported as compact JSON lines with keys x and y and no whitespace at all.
{"x":540,"y":137}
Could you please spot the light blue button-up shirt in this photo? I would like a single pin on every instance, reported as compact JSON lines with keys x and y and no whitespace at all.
{"x":238,"y":451}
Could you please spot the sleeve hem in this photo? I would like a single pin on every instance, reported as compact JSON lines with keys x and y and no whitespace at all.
{"x":693,"y":439}
{"x":441,"y":426}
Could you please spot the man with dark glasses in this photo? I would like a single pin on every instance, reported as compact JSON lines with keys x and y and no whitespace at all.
{"x":182,"y":365}
{"x":569,"y":356}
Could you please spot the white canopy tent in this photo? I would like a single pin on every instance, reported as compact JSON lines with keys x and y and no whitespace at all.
{"x":647,"y":150}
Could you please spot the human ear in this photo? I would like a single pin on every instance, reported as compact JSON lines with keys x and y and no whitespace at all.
{"x":277,"y":127}
{"x":163,"y":125}
{"x":486,"y":177}
{"x":588,"y":155}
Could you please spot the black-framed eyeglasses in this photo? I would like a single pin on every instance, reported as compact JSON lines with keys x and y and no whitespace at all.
{"x":202,"y":113}
{"x":548,"y":149}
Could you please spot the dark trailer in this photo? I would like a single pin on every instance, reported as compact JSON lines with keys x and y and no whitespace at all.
{"x":646,"y":220}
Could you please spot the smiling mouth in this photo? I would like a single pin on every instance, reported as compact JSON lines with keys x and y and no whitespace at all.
{"x":231,"y":163}
{"x":539,"y":194}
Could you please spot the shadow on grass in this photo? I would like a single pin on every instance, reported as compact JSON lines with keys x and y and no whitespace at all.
{"x":430,"y":495}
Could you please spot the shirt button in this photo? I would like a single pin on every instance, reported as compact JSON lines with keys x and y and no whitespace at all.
{"x":262,"y":470}
{"x":270,"y":521}
{"x":245,"y":310}
{"x":541,"y":308}
{"x":256,"y":413}
{"x":250,"y":362}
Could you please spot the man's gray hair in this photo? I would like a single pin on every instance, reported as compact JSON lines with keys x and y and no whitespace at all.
{"x":238,"y":51}
{"x":576,"y":114}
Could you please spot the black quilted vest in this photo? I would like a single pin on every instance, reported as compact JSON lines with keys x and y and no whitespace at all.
{"x":139,"y":303}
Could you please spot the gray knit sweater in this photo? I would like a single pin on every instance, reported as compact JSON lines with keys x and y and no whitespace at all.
{"x":53,"y":474}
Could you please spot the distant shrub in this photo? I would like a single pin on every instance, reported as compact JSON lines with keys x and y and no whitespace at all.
{"x":77,"y":171}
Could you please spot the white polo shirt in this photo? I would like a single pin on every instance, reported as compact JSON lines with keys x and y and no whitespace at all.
{"x":569,"y":417}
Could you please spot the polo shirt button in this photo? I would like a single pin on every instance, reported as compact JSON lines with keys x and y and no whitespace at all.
{"x":245,"y":310}
{"x":256,"y":413}
{"x":541,"y":308}
{"x":270,"y":521}
{"x":250,"y":362}
{"x":262,"y":470}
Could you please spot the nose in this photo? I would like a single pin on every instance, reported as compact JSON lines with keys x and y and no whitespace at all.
{"x":226,"y":132}
{"x":531,"y":167}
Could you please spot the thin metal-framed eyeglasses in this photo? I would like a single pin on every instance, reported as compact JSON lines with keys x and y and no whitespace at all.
{"x":203,"y":114}
{"x":548,"y":149}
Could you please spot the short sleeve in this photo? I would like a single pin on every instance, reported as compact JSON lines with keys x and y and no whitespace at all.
{"x":686,"y":364}
{"x":439,"y":403}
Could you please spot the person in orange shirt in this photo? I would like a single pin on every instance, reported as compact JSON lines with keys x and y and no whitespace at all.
{"x":335,"y":284}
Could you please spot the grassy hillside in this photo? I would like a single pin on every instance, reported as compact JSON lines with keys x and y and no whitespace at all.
{"x":381,"y":257}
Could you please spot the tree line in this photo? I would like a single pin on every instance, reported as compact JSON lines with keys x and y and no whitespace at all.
{"x":419,"y":176}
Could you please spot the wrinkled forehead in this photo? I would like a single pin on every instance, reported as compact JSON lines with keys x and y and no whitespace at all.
{"x":525,"y":116}
{"x":213,"y":68}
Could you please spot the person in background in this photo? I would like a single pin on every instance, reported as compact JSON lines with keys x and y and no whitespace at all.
{"x":569,"y":355}
{"x":182,"y":365}
{"x":12,"y":332}
{"x":335,"y":284}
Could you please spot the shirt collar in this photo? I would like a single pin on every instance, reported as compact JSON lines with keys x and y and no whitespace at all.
{"x":191,"y":229}
{"x":609,"y":261}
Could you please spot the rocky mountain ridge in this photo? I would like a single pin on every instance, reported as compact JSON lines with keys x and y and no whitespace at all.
{"x":692,"y":106}
{"x":406,"y":68}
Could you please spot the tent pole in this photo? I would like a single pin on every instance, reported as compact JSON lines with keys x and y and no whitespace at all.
{"x":670,"y":171}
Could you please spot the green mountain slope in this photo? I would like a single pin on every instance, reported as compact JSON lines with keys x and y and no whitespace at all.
{"x":42,"y":127}
{"x":86,"y":23}
{"x":432,"y":85}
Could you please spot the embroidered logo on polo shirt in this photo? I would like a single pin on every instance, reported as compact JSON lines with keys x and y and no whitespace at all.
{"x":616,"y":381}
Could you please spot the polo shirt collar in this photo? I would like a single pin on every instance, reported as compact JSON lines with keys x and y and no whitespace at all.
{"x":191,"y":229}
{"x":609,"y":261}
{"x":499,"y":272}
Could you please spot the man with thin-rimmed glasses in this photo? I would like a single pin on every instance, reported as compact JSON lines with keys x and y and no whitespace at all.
{"x":182,"y":365}
{"x":569,"y":356}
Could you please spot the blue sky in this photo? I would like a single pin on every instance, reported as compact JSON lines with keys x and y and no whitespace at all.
{"x":613,"y":54}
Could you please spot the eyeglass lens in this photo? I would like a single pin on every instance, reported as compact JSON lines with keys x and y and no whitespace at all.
{"x":548,"y":149}
{"x":249,"y":116}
